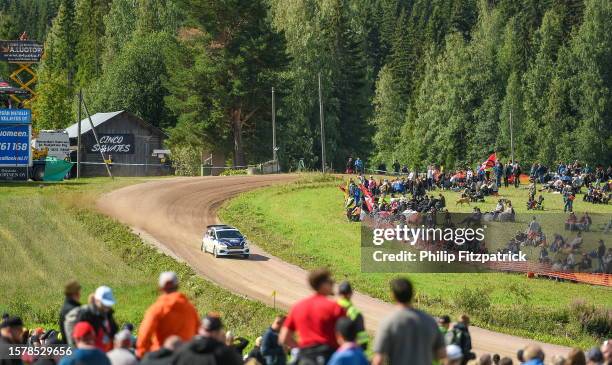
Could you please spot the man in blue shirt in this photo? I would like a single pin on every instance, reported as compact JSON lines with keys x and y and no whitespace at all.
{"x":349,"y":352}
{"x":86,"y":351}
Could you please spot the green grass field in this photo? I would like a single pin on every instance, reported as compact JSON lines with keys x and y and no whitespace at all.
{"x":50,"y":234}
{"x":304,"y":223}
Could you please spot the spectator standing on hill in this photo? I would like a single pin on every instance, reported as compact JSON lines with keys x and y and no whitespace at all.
{"x":87,"y":352}
{"x":408,"y":334}
{"x":462,"y":338}
{"x":443,"y":326}
{"x":72,"y":293}
{"x":171,"y":314}
{"x":349,"y":352}
{"x":121,"y":354}
{"x":164,"y":355}
{"x":499,"y":172}
{"x":11,"y":330}
{"x":345,"y":292}
{"x":507,"y":173}
{"x":208,"y":348}
{"x":99,"y":314}
{"x":533,"y":355}
{"x":313,"y":320}
{"x":516,"y":172}
{"x":272,"y":351}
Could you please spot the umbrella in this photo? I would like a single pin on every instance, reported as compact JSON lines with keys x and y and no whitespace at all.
{"x":7,"y":89}
{"x":566,"y":178}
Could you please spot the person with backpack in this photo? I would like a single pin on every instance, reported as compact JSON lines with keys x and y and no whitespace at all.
{"x":208,"y":348}
{"x":460,"y":336}
{"x":99,"y":314}
{"x":345,"y":292}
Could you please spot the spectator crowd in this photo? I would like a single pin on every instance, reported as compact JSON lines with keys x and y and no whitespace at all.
{"x":318,"y":330}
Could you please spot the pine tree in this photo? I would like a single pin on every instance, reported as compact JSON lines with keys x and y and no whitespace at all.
{"x":53,"y":105}
{"x":90,"y":36}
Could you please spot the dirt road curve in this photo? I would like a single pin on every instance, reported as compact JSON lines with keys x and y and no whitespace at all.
{"x":175,"y":212}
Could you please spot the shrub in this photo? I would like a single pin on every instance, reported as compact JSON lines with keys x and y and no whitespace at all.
{"x":596,"y":321}
{"x":233,"y":172}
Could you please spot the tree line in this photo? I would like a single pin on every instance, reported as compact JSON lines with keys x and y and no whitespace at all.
{"x":417,"y":81}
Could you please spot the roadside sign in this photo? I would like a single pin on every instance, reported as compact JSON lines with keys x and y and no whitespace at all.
{"x":15,"y":116}
{"x":20,"y":51}
{"x":15,"y":145}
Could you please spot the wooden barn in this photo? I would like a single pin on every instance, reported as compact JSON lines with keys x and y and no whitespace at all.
{"x":133,"y":146}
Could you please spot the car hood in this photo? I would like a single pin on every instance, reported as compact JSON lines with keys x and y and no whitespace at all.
{"x":232,"y":241}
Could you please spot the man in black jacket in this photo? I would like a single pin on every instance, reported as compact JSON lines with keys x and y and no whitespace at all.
{"x":208,"y":348}
{"x":273,"y":352}
{"x":72,"y":292}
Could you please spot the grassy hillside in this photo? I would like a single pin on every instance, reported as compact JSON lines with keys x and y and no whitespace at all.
{"x":304,"y":223}
{"x":50,"y":233}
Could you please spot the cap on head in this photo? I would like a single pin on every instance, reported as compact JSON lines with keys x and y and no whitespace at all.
{"x":453,"y":352}
{"x":345,"y":288}
{"x":82,"y":329}
{"x":104,"y":295}
{"x":168,"y":278}
{"x":72,"y":287}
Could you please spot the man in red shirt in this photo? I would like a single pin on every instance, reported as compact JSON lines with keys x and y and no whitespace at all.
{"x":313,"y":319}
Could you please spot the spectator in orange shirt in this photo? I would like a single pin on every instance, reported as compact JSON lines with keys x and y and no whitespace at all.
{"x":171,"y":314}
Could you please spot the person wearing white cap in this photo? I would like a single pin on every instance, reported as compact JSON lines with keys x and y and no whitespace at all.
{"x":171,"y":314}
{"x":454,"y":355}
{"x":99,"y":313}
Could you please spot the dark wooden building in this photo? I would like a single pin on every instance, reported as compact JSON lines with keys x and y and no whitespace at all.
{"x":133,"y":146}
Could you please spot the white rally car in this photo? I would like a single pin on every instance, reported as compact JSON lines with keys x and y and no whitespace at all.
{"x":224,"y":240}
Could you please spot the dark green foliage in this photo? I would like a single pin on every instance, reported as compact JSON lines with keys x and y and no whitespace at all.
{"x":420,"y":81}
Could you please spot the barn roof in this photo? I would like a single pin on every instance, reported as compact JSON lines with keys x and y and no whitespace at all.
{"x":99,"y":119}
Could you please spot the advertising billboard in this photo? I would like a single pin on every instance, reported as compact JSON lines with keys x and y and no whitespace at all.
{"x":20,"y":51}
{"x":14,"y":145}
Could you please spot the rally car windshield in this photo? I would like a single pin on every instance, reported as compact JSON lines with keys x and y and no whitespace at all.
{"x":228,"y":234}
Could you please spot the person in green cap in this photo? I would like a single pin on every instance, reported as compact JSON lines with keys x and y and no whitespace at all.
{"x":345,"y":291}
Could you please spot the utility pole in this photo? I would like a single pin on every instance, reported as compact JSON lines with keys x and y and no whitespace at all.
{"x":79,"y":134}
{"x":511,"y":138}
{"x":93,"y":130}
{"x":274,"y":157}
{"x":322,"y":125}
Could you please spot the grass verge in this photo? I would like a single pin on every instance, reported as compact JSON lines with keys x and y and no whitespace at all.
{"x":304,"y":223}
{"x":50,"y":233}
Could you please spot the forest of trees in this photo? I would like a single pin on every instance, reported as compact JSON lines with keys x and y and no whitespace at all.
{"x":418,"y":81}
